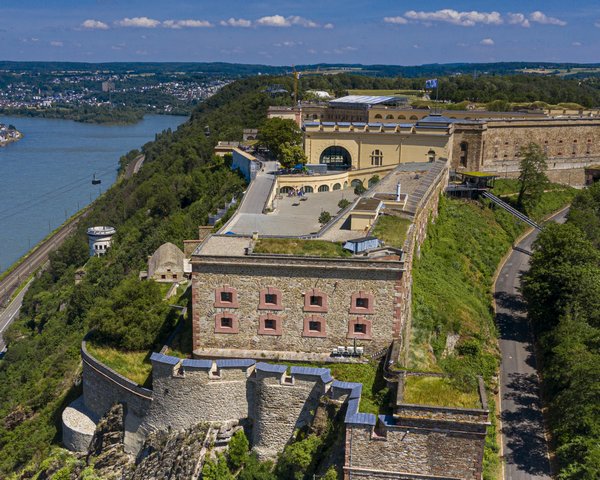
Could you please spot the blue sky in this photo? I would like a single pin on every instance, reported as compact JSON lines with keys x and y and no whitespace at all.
{"x":294,"y":32}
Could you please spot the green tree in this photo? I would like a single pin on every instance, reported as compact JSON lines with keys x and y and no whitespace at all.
{"x":324,"y":217}
{"x":257,"y":470}
{"x":297,"y":458}
{"x":238,"y":452}
{"x":216,"y":470}
{"x":291,"y":155}
{"x":532,"y":177}
{"x":132,"y":317}
{"x":343,"y":203}
{"x":275,"y":132}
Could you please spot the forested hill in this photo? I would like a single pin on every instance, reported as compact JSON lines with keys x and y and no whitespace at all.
{"x":178,"y":186}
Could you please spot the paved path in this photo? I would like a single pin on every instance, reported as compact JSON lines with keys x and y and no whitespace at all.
{"x":523,"y":439}
{"x":134,"y":166}
{"x":10,"y":313}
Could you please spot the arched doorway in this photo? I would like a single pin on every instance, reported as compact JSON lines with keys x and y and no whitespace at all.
{"x":336,"y":158}
{"x":337,"y":186}
{"x":286,"y":190}
{"x":324,"y":188}
{"x":356,"y":183}
{"x":308,"y":189}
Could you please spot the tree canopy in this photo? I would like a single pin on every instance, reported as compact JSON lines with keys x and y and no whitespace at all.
{"x":532,"y":176}
{"x":279,"y":135}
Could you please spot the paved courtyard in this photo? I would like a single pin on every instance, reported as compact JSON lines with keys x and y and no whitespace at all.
{"x":292,"y":215}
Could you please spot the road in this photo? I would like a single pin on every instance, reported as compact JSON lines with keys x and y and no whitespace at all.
{"x":36,"y":258}
{"x":134,"y":166}
{"x":10,"y":313}
{"x":523,"y":438}
{"x":250,"y":211}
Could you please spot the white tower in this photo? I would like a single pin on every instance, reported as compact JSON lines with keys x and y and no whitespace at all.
{"x":100,"y":239}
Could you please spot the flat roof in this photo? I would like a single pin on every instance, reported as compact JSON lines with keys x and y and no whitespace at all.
{"x":364,"y":99}
{"x":368,"y":204}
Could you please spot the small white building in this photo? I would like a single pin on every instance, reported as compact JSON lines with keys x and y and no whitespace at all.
{"x":100,"y":239}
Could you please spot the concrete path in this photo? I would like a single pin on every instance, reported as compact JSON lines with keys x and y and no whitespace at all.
{"x":523,"y":438}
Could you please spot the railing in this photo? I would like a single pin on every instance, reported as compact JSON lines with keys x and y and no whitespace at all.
{"x":502,"y":204}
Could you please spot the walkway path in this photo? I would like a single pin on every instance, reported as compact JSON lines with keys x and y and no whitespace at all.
{"x":523,"y":438}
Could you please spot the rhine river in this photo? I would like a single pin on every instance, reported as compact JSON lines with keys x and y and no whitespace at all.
{"x":47,"y":175}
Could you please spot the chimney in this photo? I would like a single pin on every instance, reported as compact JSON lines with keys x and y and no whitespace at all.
{"x":398,"y":192}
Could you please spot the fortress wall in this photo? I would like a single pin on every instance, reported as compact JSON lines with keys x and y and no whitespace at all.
{"x":248,"y":279}
{"x":399,"y":453}
{"x":189,"y":391}
{"x":103,"y":387}
{"x":283,"y":404}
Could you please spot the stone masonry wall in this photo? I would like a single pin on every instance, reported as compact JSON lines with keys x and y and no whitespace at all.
{"x":293,"y":282}
{"x":103,"y":387}
{"x":404,"y":453}
{"x":189,"y":391}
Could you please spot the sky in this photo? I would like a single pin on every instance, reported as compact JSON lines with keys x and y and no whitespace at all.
{"x":286,"y":32}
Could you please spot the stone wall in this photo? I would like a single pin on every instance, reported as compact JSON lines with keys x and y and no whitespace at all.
{"x":103,"y":387}
{"x":571,"y":145}
{"x":292,"y":279}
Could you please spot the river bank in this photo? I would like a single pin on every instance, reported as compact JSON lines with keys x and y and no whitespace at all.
{"x":9,"y":135}
{"x":46,"y":177}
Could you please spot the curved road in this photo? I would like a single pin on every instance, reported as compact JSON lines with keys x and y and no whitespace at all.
{"x":523,"y":437}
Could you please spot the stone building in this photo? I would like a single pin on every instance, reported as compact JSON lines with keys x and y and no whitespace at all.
{"x":100,"y":240}
{"x":269,"y":305}
{"x":166,"y":264}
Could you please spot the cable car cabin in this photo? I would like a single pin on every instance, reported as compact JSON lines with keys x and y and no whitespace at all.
{"x":470,"y":184}
{"x":96,"y":181}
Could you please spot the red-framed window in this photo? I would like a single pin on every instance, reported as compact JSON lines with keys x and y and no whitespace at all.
{"x":227,"y":322}
{"x":360,"y":328}
{"x":315,"y":301}
{"x":226,"y":297}
{"x":362,"y":303}
{"x":270,"y":325}
{"x":270,"y":299}
{"x":314,"y":326}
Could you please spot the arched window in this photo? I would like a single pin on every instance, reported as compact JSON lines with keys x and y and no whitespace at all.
{"x":337,"y":186}
{"x":356,"y":183}
{"x":324,"y":188}
{"x":464,"y":151}
{"x":308,"y":189}
{"x":376,"y":158}
{"x":414,"y":117}
{"x":336,"y":158}
{"x":378,"y":116}
{"x":286,"y":190}
{"x":389,"y":117}
{"x":401,"y":117}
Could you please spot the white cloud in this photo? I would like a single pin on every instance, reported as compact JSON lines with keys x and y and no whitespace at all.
{"x":281,"y":21}
{"x":464,"y":19}
{"x":288,"y":43}
{"x":518,"y":19}
{"x":56,"y":43}
{"x":540,"y":17}
{"x":328,"y":26}
{"x":236,"y":22}
{"x":141,"y":22}
{"x":94,"y":25}
{"x":597,"y":24}
{"x":303,"y":22}
{"x":186,"y":24}
{"x":487,"y":42}
{"x":577,"y":44}
{"x":396,"y":20}
{"x":274,"y":21}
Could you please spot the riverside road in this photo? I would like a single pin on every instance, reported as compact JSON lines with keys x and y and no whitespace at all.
{"x":523,"y":436}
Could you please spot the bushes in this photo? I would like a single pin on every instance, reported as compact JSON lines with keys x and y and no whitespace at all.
{"x":132,"y":316}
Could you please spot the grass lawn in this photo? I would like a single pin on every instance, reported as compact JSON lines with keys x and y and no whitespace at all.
{"x":392,"y":230}
{"x":438,"y":391}
{"x":312,"y":248}
{"x":134,"y":365}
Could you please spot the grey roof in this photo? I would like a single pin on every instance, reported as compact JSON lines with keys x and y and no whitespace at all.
{"x":363,"y":239}
{"x":353,"y":388}
{"x":390,"y":125}
{"x":197,"y":364}
{"x":439,"y":119}
{"x":323,"y":373}
{"x":364,"y":99}
{"x":160,"y":358}
{"x":267,"y":367}
{"x":361,"y":419}
{"x":235,"y":363}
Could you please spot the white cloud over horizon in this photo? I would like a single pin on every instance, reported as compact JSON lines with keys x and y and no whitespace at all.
{"x":487,"y":42}
{"x":464,"y":19}
{"x":236,"y":22}
{"x":91,"y":24}
{"x":542,"y":18}
{"x":138,"y":22}
{"x":281,"y":21}
{"x":187,"y":24}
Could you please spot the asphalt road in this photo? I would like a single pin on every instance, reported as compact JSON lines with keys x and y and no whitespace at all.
{"x":523,"y":439}
{"x":36,"y":259}
{"x":10,"y":313}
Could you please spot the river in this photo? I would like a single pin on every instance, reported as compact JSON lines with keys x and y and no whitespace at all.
{"x":47,"y":175}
